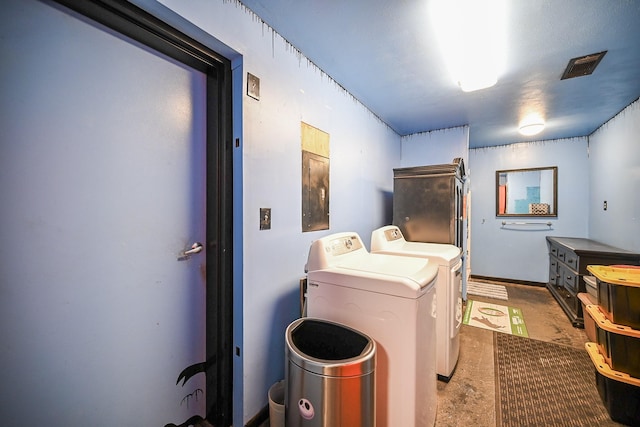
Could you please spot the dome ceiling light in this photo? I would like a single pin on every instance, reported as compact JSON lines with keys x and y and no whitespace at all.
{"x":531,"y":125}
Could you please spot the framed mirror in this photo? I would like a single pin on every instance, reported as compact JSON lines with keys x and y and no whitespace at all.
{"x":527,"y":192}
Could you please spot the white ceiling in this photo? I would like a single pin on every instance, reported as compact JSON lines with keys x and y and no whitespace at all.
{"x":385,"y":54}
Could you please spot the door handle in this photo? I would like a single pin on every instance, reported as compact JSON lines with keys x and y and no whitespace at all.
{"x":195,"y":249}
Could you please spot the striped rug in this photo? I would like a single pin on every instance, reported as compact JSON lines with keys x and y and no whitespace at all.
{"x":487,"y":290}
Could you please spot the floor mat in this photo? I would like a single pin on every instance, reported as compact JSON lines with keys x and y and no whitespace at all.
{"x":495,"y":317}
{"x":545,"y":384}
{"x":487,"y":290}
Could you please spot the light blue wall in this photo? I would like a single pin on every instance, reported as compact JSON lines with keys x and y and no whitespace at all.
{"x":435,"y":147}
{"x":363,"y":153}
{"x":603,"y":166}
{"x":614,"y":166}
{"x":520,"y":252}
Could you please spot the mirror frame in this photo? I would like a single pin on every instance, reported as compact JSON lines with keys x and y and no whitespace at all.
{"x":554,"y":214}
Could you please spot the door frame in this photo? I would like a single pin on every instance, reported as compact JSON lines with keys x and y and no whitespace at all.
{"x":136,"y":23}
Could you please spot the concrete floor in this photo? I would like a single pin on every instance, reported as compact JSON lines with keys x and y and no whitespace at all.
{"x":468,"y":399}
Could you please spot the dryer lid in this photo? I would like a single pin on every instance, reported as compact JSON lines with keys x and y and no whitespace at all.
{"x":389,"y":240}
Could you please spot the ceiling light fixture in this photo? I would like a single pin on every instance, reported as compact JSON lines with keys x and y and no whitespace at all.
{"x":471,"y":34}
{"x":531,"y":125}
{"x":478,"y":81}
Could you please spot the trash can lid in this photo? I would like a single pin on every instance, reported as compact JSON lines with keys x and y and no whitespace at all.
{"x":329,"y":348}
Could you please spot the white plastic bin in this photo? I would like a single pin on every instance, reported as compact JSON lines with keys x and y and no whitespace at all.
{"x":276,"y":404}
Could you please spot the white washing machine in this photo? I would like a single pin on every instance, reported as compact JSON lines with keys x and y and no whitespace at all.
{"x":393,"y":300}
{"x":389,"y":240}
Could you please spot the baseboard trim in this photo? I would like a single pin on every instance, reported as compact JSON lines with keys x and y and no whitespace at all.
{"x":259,"y":418}
{"x":501,"y":280}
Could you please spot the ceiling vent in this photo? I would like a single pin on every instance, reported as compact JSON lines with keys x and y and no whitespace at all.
{"x":582,"y":66}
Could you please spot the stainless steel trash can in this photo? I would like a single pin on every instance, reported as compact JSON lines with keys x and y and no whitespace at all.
{"x":330,"y":375}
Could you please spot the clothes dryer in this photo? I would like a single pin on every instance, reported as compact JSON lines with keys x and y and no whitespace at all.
{"x":389,"y":240}
{"x":392,"y":299}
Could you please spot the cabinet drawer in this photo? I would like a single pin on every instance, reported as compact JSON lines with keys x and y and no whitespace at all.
{"x":570,"y":300}
{"x":553,"y":250}
{"x":572,"y":260}
{"x":553,"y":264}
{"x":562,"y":254}
{"x":570,"y":280}
{"x":553,"y":276}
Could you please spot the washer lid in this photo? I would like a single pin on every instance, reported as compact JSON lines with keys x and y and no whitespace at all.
{"x":387,"y":274}
{"x":335,"y":249}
